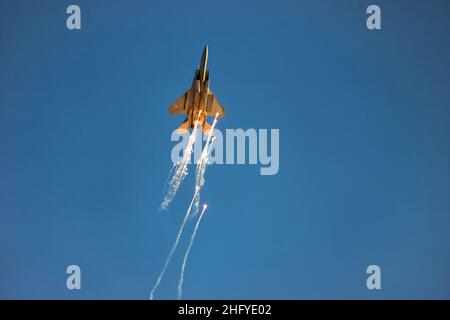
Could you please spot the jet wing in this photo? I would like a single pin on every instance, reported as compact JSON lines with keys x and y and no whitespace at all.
{"x":213,"y":106}
{"x":181,"y":106}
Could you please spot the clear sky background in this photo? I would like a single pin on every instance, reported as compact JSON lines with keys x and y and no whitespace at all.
{"x":364,"y":149}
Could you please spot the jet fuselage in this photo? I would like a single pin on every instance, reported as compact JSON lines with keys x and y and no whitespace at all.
{"x":198,"y":102}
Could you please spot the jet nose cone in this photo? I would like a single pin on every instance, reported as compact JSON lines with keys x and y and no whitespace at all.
{"x":204,"y":57}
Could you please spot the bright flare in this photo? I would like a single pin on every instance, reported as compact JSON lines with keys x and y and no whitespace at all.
{"x":201,"y":166}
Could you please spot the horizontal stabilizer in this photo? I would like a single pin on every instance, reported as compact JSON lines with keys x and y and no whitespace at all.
{"x":206,"y":128}
{"x":183,"y":128}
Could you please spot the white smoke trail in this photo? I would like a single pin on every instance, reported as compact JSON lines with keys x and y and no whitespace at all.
{"x":186,"y":255}
{"x":174,"y":184}
{"x":201,"y":166}
{"x":170,"y":173}
{"x":172,"y":251}
{"x":181,"y":171}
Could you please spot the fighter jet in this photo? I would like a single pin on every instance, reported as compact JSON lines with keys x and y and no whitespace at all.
{"x":199,"y":101}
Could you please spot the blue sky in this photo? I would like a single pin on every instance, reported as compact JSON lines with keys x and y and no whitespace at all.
{"x":364,"y":149}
